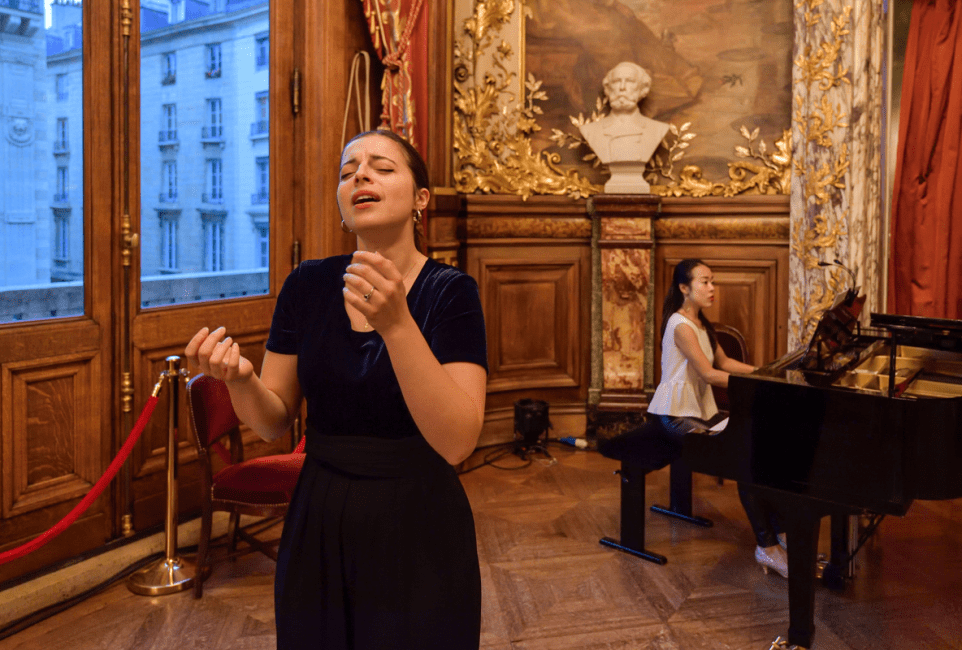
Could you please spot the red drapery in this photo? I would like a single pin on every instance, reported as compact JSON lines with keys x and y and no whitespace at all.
{"x":925,"y":269}
{"x":399,"y":32}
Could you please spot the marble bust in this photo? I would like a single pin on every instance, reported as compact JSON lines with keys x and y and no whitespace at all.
{"x":624,"y":139}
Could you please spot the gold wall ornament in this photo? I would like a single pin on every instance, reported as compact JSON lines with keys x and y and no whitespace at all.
{"x":763,"y":173}
{"x":491,"y":127}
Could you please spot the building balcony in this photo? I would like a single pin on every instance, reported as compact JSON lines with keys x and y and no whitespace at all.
{"x":61,"y":147}
{"x":260,"y":198}
{"x":167,"y":138}
{"x":212,"y":199}
{"x":169,"y":79}
{"x":212,"y":73}
{"x":29,"y":6}
{"x":259,"y":129}
{"x":212,"y":134}
{"x":167,"y":197}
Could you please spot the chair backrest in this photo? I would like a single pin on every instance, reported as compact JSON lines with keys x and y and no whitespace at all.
{"x":211,"y":411}
{"x":733,"y":343}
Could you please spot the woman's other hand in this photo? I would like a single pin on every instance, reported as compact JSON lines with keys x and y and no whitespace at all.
{"x":218,"y":356}
{"x":374,"y":286}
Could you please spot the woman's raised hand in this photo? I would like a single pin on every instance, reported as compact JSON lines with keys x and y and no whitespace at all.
{"x":374,"y":286}
{"x":217,"y":356}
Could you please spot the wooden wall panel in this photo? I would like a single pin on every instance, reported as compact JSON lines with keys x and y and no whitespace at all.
{"x":531,"y":310}
{"x":47,"y":458}
{"x":745,"y":242}
{"x":532,"y":262}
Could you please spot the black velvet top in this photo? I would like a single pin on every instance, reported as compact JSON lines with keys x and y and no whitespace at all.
{"x":346,"y":376}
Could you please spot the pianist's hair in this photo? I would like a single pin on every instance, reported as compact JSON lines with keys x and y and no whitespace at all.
{"x":675,"y":298}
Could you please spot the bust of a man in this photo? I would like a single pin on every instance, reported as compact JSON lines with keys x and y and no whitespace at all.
{"x":624,"y":139}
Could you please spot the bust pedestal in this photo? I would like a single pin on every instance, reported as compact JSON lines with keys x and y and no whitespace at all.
{"x":622,"y":315}
{"x":627,"y":178}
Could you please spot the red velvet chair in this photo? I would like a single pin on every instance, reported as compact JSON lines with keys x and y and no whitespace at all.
{"x":261,"y":487}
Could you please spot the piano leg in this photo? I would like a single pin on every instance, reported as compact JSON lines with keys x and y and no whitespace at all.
{"x":633,"y":516}
{"x":838,"y":567}
{"x":679,"y":495}
{"x":802,"y":529}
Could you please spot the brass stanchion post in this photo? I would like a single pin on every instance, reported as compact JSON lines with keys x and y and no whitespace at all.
{"x":170,"y":574}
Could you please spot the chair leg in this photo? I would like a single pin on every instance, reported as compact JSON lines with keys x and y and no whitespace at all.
{"x":232,"y":532}
{"x":203,"y":547}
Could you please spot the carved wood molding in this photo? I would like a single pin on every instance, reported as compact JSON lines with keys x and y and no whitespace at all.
{"x":752,"y":219}
{"x":540,"y":217}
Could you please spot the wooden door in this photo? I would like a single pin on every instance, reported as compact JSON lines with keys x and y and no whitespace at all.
{"x":212,"y":119}
{"x":58,"y":213}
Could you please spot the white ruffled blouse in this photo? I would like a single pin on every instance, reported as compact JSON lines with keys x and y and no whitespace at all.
{"x":682,"y":392}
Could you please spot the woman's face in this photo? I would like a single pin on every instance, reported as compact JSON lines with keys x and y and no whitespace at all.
{"x":701,"y":290}
{"x":376,"y":188}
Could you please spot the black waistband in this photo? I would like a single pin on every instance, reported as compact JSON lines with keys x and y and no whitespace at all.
{"x":373,"y":457}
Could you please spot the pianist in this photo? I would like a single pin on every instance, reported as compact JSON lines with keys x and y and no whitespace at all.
{"x":691,"y":363}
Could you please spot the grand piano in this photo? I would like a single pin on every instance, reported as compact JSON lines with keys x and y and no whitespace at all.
{"x":863,"y":419}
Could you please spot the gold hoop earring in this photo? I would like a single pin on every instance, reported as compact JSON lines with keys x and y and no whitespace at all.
{"x":417,"y":217}
{"x":345,"y":228}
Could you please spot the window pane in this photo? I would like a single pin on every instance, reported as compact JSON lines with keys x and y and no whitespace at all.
{"x":41,"y":161}
{"x":204,"y":207}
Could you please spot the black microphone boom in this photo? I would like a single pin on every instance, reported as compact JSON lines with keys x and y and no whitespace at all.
{"x":838,"y":263}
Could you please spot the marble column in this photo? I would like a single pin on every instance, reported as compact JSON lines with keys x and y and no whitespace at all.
{"x":622,"y":310}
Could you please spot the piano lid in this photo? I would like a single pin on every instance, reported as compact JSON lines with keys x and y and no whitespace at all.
{"x":921,"y":331}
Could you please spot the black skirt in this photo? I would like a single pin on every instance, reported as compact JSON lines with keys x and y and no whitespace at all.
{"x":378,"y":551}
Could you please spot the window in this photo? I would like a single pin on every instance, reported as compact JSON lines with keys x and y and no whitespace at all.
{"x":168,"y":244}
{"x":62,"y":94}
{"x":60,"y":196}
{"x":262,"y":47}
{"x":212,"y":69}
{"x":261,"y":114}
{"x":215,"y":181}
{"x":215,"y":119}
{"x":168,"y":62}
{"x":263,"y":252}
{"x":168,"y":182}
{"x":261,"y":180}
{"x":60,"y":144}
{"x":168,"y":128}
{"x":61,"y":237}
{"x":213,"y":244}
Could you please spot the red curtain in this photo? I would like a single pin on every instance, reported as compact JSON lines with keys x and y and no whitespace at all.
{"x":399,"y":32}
{"x":925,"y":269}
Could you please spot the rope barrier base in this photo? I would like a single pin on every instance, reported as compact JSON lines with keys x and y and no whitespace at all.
{"x":166,"y":576}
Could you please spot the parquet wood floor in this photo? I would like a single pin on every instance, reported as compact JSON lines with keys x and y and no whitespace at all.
{"x":548,"y":584}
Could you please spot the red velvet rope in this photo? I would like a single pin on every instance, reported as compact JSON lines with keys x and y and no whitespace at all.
{"x":95,"y":492}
